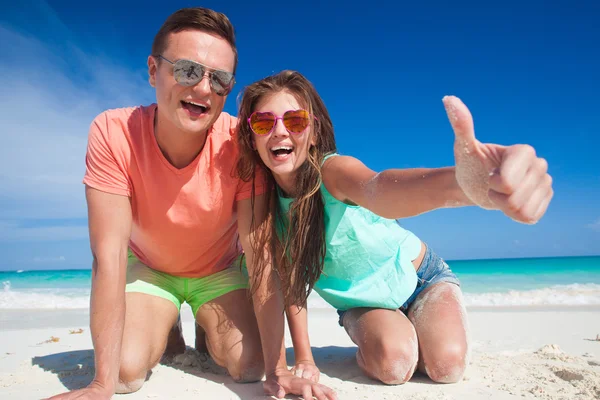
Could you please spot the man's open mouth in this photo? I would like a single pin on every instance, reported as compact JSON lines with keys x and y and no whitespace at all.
{"x":194,"y":108}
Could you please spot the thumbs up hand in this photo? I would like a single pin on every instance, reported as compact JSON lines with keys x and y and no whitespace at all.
{"x":510,"y":179}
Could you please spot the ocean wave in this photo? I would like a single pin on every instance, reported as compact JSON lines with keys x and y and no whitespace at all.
{"x":576,"y":294}
{"x":559,"y":295}
{"x":44,"y":299}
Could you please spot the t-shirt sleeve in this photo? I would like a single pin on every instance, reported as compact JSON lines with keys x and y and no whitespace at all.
{"x":244,"y":189}
{"x":102,"y":168}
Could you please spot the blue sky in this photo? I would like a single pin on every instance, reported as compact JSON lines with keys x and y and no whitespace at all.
{"x":528,"y":72}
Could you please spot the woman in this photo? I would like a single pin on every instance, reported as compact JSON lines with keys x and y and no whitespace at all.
{"x":332,"y":227}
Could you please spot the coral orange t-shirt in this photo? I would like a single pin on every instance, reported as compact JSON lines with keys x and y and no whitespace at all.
{"x":184,"y":220}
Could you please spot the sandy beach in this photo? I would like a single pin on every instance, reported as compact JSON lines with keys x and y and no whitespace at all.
{"x":531,"y":353}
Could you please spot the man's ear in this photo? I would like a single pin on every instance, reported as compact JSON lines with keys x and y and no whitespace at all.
{"x":152,"y":67}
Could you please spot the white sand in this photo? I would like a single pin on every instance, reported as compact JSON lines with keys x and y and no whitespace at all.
{"x":517,"y":353}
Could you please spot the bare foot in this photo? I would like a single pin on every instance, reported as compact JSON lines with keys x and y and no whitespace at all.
{"x":201,"y":340}
{"x":175,"y":341}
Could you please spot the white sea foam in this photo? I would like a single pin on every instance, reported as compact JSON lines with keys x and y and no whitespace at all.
{"x":44,"y":298}
{"x":566,"y":295}
{"x":559,"y":295}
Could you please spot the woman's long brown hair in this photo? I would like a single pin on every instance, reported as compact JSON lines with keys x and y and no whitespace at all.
{"x":297,"y":253}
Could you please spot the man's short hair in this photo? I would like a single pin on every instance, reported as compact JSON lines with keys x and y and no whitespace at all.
{"x":195,"y":18}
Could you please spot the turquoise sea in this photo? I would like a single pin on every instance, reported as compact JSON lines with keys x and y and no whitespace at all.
{"x":499,"y":282}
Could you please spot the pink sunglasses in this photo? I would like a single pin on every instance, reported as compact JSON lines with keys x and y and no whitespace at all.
{"x":294,"y":121}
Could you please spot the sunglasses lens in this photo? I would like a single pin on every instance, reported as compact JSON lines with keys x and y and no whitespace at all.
{"x":262,"y":123}
{"x":296,"y":121}
{"x":221,"y":82}
{"x":188,"y":73}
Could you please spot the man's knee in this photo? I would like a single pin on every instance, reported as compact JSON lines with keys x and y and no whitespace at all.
{"x":393,"y":363}
{"x":124,"y":387}
{"x":132,"y":375}
{"x":249,"y":367}
{"x":448,"y":365}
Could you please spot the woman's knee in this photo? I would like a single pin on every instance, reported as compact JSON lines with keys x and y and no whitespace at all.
{"x":393,"y":362}
{"x":447,"y":364}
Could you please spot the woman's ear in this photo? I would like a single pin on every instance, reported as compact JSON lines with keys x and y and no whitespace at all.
{"x":313,"y":136}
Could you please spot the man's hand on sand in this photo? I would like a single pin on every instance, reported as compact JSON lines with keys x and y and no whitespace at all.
{"x":511,"y":179}
{"x":93,"y":392}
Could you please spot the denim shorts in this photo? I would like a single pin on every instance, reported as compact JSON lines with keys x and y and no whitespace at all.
{"x":431,"y":271}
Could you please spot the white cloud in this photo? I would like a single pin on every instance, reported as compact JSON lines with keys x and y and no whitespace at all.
{"x":47,"y":102}
{"x":51,"y":259}
{"x":595,"y":225}
{"x":13,"y":232}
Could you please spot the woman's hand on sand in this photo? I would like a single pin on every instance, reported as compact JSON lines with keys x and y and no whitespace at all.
{"x":283,"y":382}
{"x":306,"y":369}
{"x":512,"y":179}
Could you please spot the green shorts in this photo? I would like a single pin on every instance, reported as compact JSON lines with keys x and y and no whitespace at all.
{"x":194,"y":291}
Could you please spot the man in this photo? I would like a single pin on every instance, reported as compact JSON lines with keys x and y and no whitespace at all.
{"x":163,"y":203}
{"x":167,"y":214}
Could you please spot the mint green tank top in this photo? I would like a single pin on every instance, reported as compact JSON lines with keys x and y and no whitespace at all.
{"x":368,"y":259}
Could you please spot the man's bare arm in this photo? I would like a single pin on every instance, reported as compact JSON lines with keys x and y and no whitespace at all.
{"x":110,"y":227}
